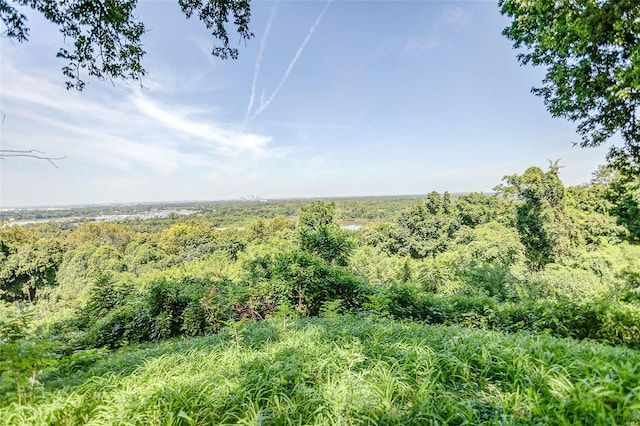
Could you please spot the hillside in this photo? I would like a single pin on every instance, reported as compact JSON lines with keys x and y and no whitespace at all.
{"x":344,"y":370}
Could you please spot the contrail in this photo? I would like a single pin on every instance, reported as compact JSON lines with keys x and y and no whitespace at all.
{"x":264,"y":105}
{"x":256,"y":69}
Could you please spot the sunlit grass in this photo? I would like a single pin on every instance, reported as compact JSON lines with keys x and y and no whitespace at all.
{"x":347,"y":370}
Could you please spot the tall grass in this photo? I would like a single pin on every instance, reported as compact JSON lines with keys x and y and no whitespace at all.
{"x":345,"y":370}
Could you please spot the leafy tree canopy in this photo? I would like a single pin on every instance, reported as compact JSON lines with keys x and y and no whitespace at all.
{"x":106,"y":35}
{"x":592,"y":54}
{"x":540,"y":220}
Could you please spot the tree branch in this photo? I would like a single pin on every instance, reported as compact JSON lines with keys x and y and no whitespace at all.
{"x":32,"y":153}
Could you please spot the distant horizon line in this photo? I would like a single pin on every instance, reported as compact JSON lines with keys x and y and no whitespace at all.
{"x":249,"y":198}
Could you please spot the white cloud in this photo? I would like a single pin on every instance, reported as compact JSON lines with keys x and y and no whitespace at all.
{"x":423,"y":43}
{"x":454,"y":17}
{"x":218,"y":139}
{"x":449,"y":20}
{"x":123,"y":128}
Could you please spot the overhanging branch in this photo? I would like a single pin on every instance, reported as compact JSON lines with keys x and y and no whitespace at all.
{"x":31,"y":153}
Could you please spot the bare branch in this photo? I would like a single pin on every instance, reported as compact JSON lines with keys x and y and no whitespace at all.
{"x":31,"y":153}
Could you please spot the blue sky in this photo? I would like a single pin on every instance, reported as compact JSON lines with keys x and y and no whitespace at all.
{"x":329,"y":99}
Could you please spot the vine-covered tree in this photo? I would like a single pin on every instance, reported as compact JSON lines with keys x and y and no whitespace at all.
{"x":591,"y":49}
{"x":28,"y":268}
{"x":321,"y":236}
{"x":623,"y":195}
{"x":106,"y":35}
{"x":428,"y":227}
{"x":540,"y":214}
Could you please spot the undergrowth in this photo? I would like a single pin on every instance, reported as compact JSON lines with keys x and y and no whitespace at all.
{"x":342,"y":370}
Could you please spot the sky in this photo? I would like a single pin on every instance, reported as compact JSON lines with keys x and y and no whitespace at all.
{"x":338,"y":98}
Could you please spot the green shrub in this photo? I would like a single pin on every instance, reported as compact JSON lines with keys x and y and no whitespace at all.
{"x":607,"y":321}
{"x":168,"y":299}
{"x":306,"y":282}
{"x":15,"y":320}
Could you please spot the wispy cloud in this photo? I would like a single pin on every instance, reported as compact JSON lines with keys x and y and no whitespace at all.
{"x":119,"y":128}
{"x":225,"y":141}
{"x":454,"y":17}
{"x":423,"y":43}
{"x":265,"y":103}
{"x":450,"y":19}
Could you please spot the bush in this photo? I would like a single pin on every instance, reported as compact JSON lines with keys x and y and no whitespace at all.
{"x":308,"y":282}
{"x":15,"y":320}
{"x":607,"y":321}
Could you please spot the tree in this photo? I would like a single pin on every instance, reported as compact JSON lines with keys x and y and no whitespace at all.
{"x":592,"y":54}
{"x":541,"y":220}
{"x":30,"y":267}
{"x":107,"y":37}
{"x":622,"y":191}
{"x":317,"y":214}
{"x":428,"y":227}
{"x":320,"y":236}
{"x":476,"y":209}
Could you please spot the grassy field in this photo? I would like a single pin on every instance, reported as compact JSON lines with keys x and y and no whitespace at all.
{"x":342,"y":370}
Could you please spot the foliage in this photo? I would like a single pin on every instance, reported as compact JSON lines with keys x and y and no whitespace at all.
{"x":477,"y":208}
{"x":428,"y":227}
{"x":103,"y":233}
{"x":107,"y":36}
{"x":186,"y":236}
{"x":306,"y":282}
{"x":491,"y":242}
{"x":320,"y":236}
{"x":624,"y":194}
{"x":541,"y":219}
{"x":603,"y":320}
{"x":346,"y":370}
{"x":382,"y":235}
{"x":119,"y":285}
{"x":15,"y":321}
{"x":30,"y":267}
{"x":590,"y":49}
{"x":327,"y":242}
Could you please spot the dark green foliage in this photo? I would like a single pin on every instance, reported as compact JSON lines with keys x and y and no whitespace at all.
{"x":306,"y":282}
{"x":229,"y":302}
{"x":383,"y":235}
{"x":590,"y":51}
{"x":15,"y":320}
{"x":328,"y":242}
{"x":317,"y":214}
{"x":215,"y":15}
{"x":476,"y":209}
{"x":606,"y":321}
{"x":116,"y":314}
{"x":125,"y":324}
{"x":320,"y":236}
{"x":428,"y":228}
{"x":541,"y":220}
{"x":29,"y":267}
{"x":107,"y":36}
{"x":630,"y":292}
{"x":624,"y":194}
{"x":168,"y":300}
{"x":104,"y":296}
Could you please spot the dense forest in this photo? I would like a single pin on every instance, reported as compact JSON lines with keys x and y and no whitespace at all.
{"x":516,"y":307}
